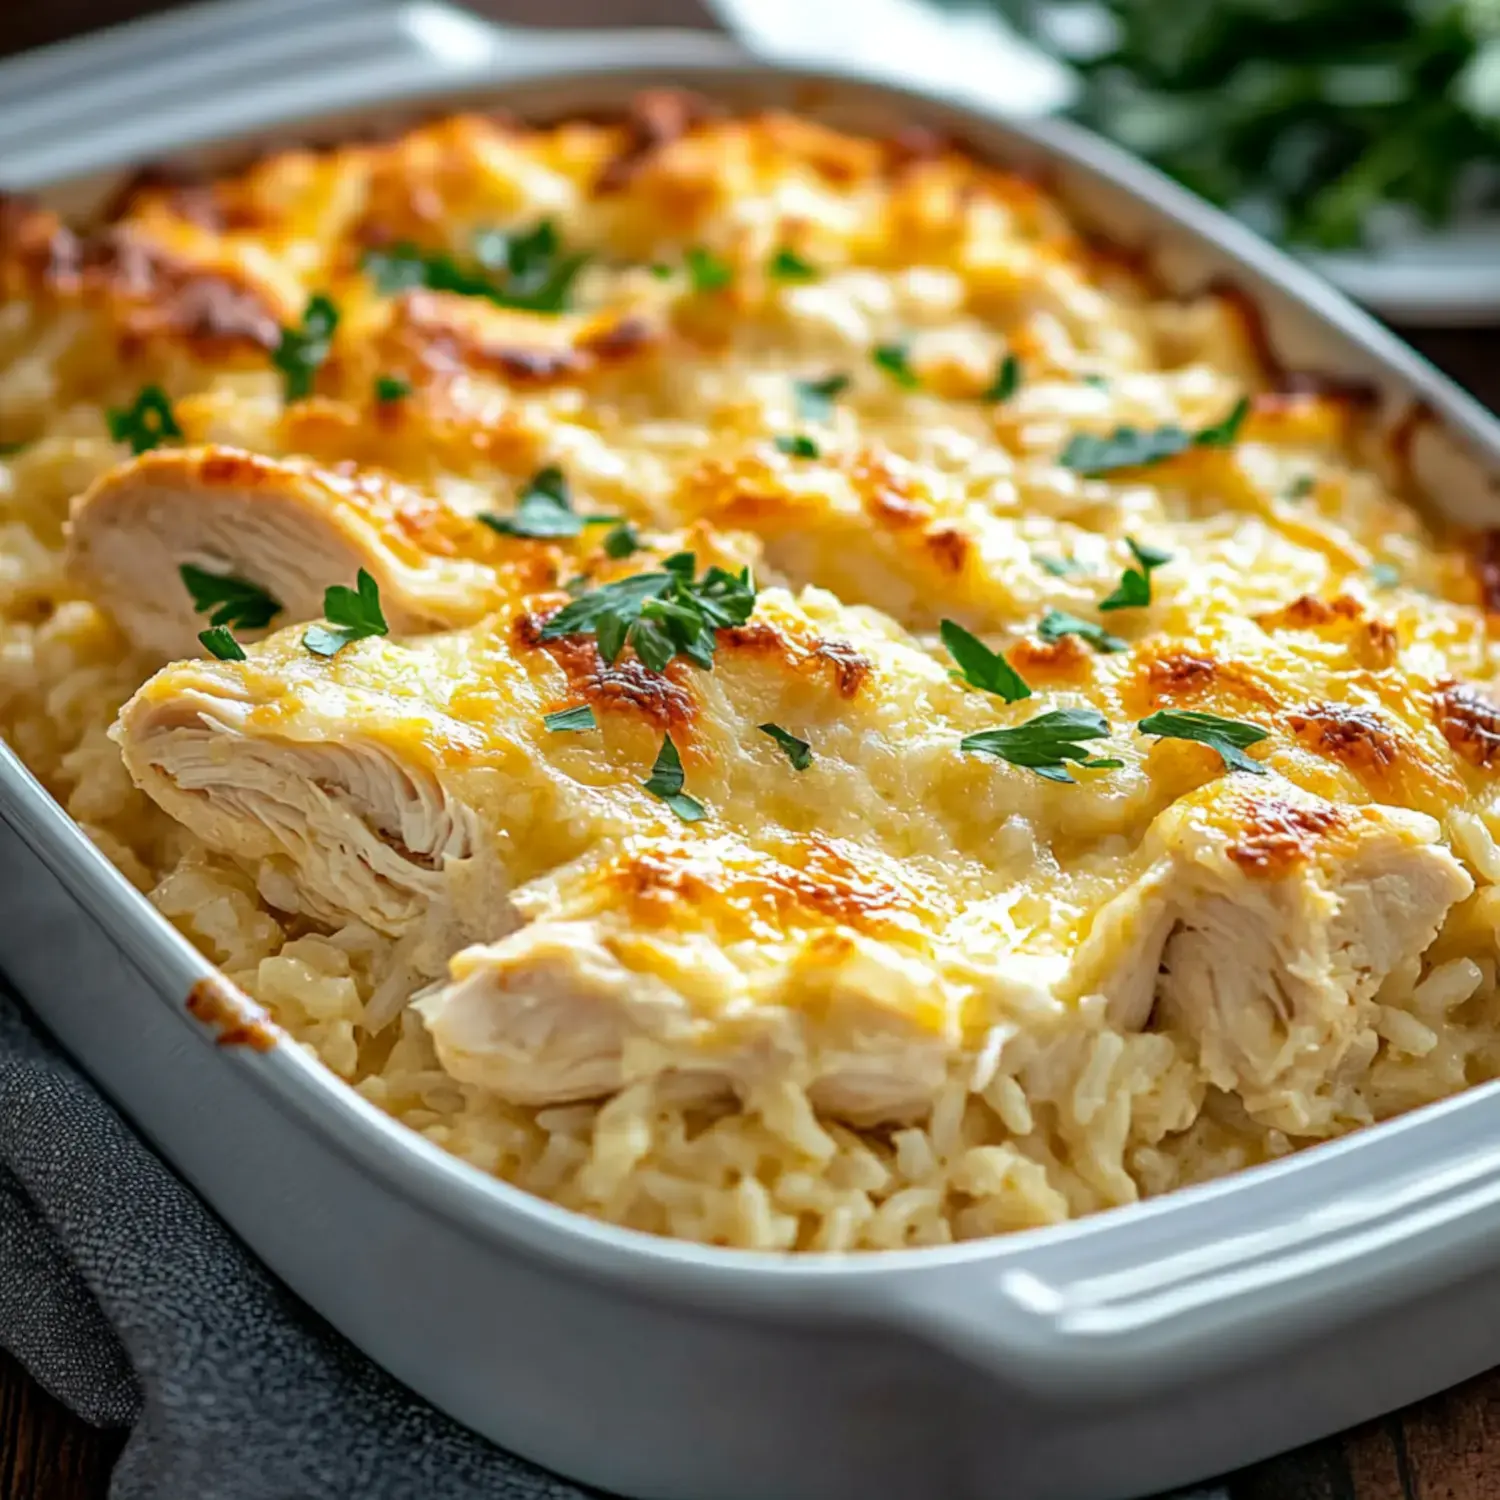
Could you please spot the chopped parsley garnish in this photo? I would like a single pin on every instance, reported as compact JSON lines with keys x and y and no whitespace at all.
{"x":666,"y":781}
{"x":787,"y":265}
{"x":798,"y":445}
{"x":1133,"y":448}
{"x":895,"y":361}
{"x":524,"y":270}
{"x":9,"y":450}
{"x":571,"y":720}
{"x":660,"y":615}
{"x":1134,"y":588}
{"x":228,"y":600}
{"x":146,"y":422}
{"x":1384,"y":575}
{"x":662,"y":271}
{"x":352,"y":614}
{"x":706,"y":271}
{"x":1058,"y":567}
{"x":545,"y":509}
{"x":1098,"y":382}
{"x":621,"y":540}
{"x":1044,"y":743}
{"x":391,"y":388}
{"x":303,"y":349}
{"x":1301,"y":487}
{"x":980,"y":667}
{"x":217,"y":641}
{"x":1230,"y":737}
{"x":815,"y":398}
{"x":1057,"y":623}
{"x":1007,"y":380}
{"x":799,"y":752}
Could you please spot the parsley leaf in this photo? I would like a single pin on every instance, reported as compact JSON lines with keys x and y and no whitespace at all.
{"x":666,"y":781}
{"x":146,"y":422}
{"x":228,"y":600}
{"x":1007,"y":380}
{"x":1058,"y":567}
{"x":1057,"y":623}
{"x":217,"y":641}
{"x":815,"y":398}
{"x":1043,"y":743}
{"x":352,"y":614}
{"x":660,"y":615}
{"x":797,"y":446}
{"x":545,"y":510}
{"x":980,"y":667}
{"x":1230,"y":737}
{"x":706,"y":271}
{"x":895,"y":361}
{"x":1132,"y":448}
{"x":621,"y":540}
{"x":391,"y":388}
{"x":9,"y":450}
{"x":787,"y":265}
{"x":799,"y":752}
{"x":303,"y":349}
{"x":571,"y":720}
{"x":524,"y":269}
{"x":1301,"y":487}
{"x":1134,"y":588}
{"x":1384,"y":575}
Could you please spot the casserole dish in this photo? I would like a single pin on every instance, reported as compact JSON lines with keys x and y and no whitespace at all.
{"x":1064,"y":1362}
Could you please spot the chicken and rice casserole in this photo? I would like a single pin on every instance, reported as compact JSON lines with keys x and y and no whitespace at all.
{"x":747,"y":680}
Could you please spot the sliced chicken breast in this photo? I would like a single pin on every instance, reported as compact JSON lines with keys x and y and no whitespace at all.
{"x":289,"y":528}
{"x":1263,"y":929}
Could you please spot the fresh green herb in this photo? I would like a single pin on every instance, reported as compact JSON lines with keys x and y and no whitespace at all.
{"x":1301,"y":487}
{"x":1317,"y":120}
{"x":1057,"y":623}
{"x":1384,"y":575}
{"x":217,"y":641}
{"x":228,"y":600}
{"x":525,"y":269}
{"x":621,"y":540}
{"x":894,"y":360}
{"x":706,"y":271}
{"x":352,"y":614}
{"x":1133,"y":448}
{"x":666,"y":781}
{"x":979,"y":666}
{"x":660,"y":615}
{"x":303,"y":349}
{"x":1134,"y":588}
{"x":1229,"y":737}
{"x":1044,"y":743}
{"x":1096,"y":382}
{"x":146,"y":422}
{"x":1058,"y":567}
{"x":815,"y":398}
{"x":662,"y":271}
{"x":544,"y":510}
{"x":1007,"y":380}
{"x":787,"y":265}
{"x":571,"y":720}
{"x":799,"y":752}
{"x":9,"y":450}
{"x":391,"y":388}
{"x":798,"y":445}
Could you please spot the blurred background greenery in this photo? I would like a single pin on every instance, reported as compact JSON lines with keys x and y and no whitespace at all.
{"x":1327,"y":123}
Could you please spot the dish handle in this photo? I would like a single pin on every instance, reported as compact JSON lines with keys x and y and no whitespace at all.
{"x":1160,"y":1293}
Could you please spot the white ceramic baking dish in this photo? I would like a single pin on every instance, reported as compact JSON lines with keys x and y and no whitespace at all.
{"x":1107,"y":1358}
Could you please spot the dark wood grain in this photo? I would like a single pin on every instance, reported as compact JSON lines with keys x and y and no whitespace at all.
{"x":1446,"y":1448}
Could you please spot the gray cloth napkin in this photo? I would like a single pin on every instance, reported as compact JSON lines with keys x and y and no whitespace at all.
{"x":128,"y":1300}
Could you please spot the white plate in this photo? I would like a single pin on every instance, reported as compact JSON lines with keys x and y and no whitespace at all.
{"x":1440,"y":280}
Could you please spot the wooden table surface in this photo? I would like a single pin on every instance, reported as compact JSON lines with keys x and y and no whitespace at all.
{"x":1445,"y":1448}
